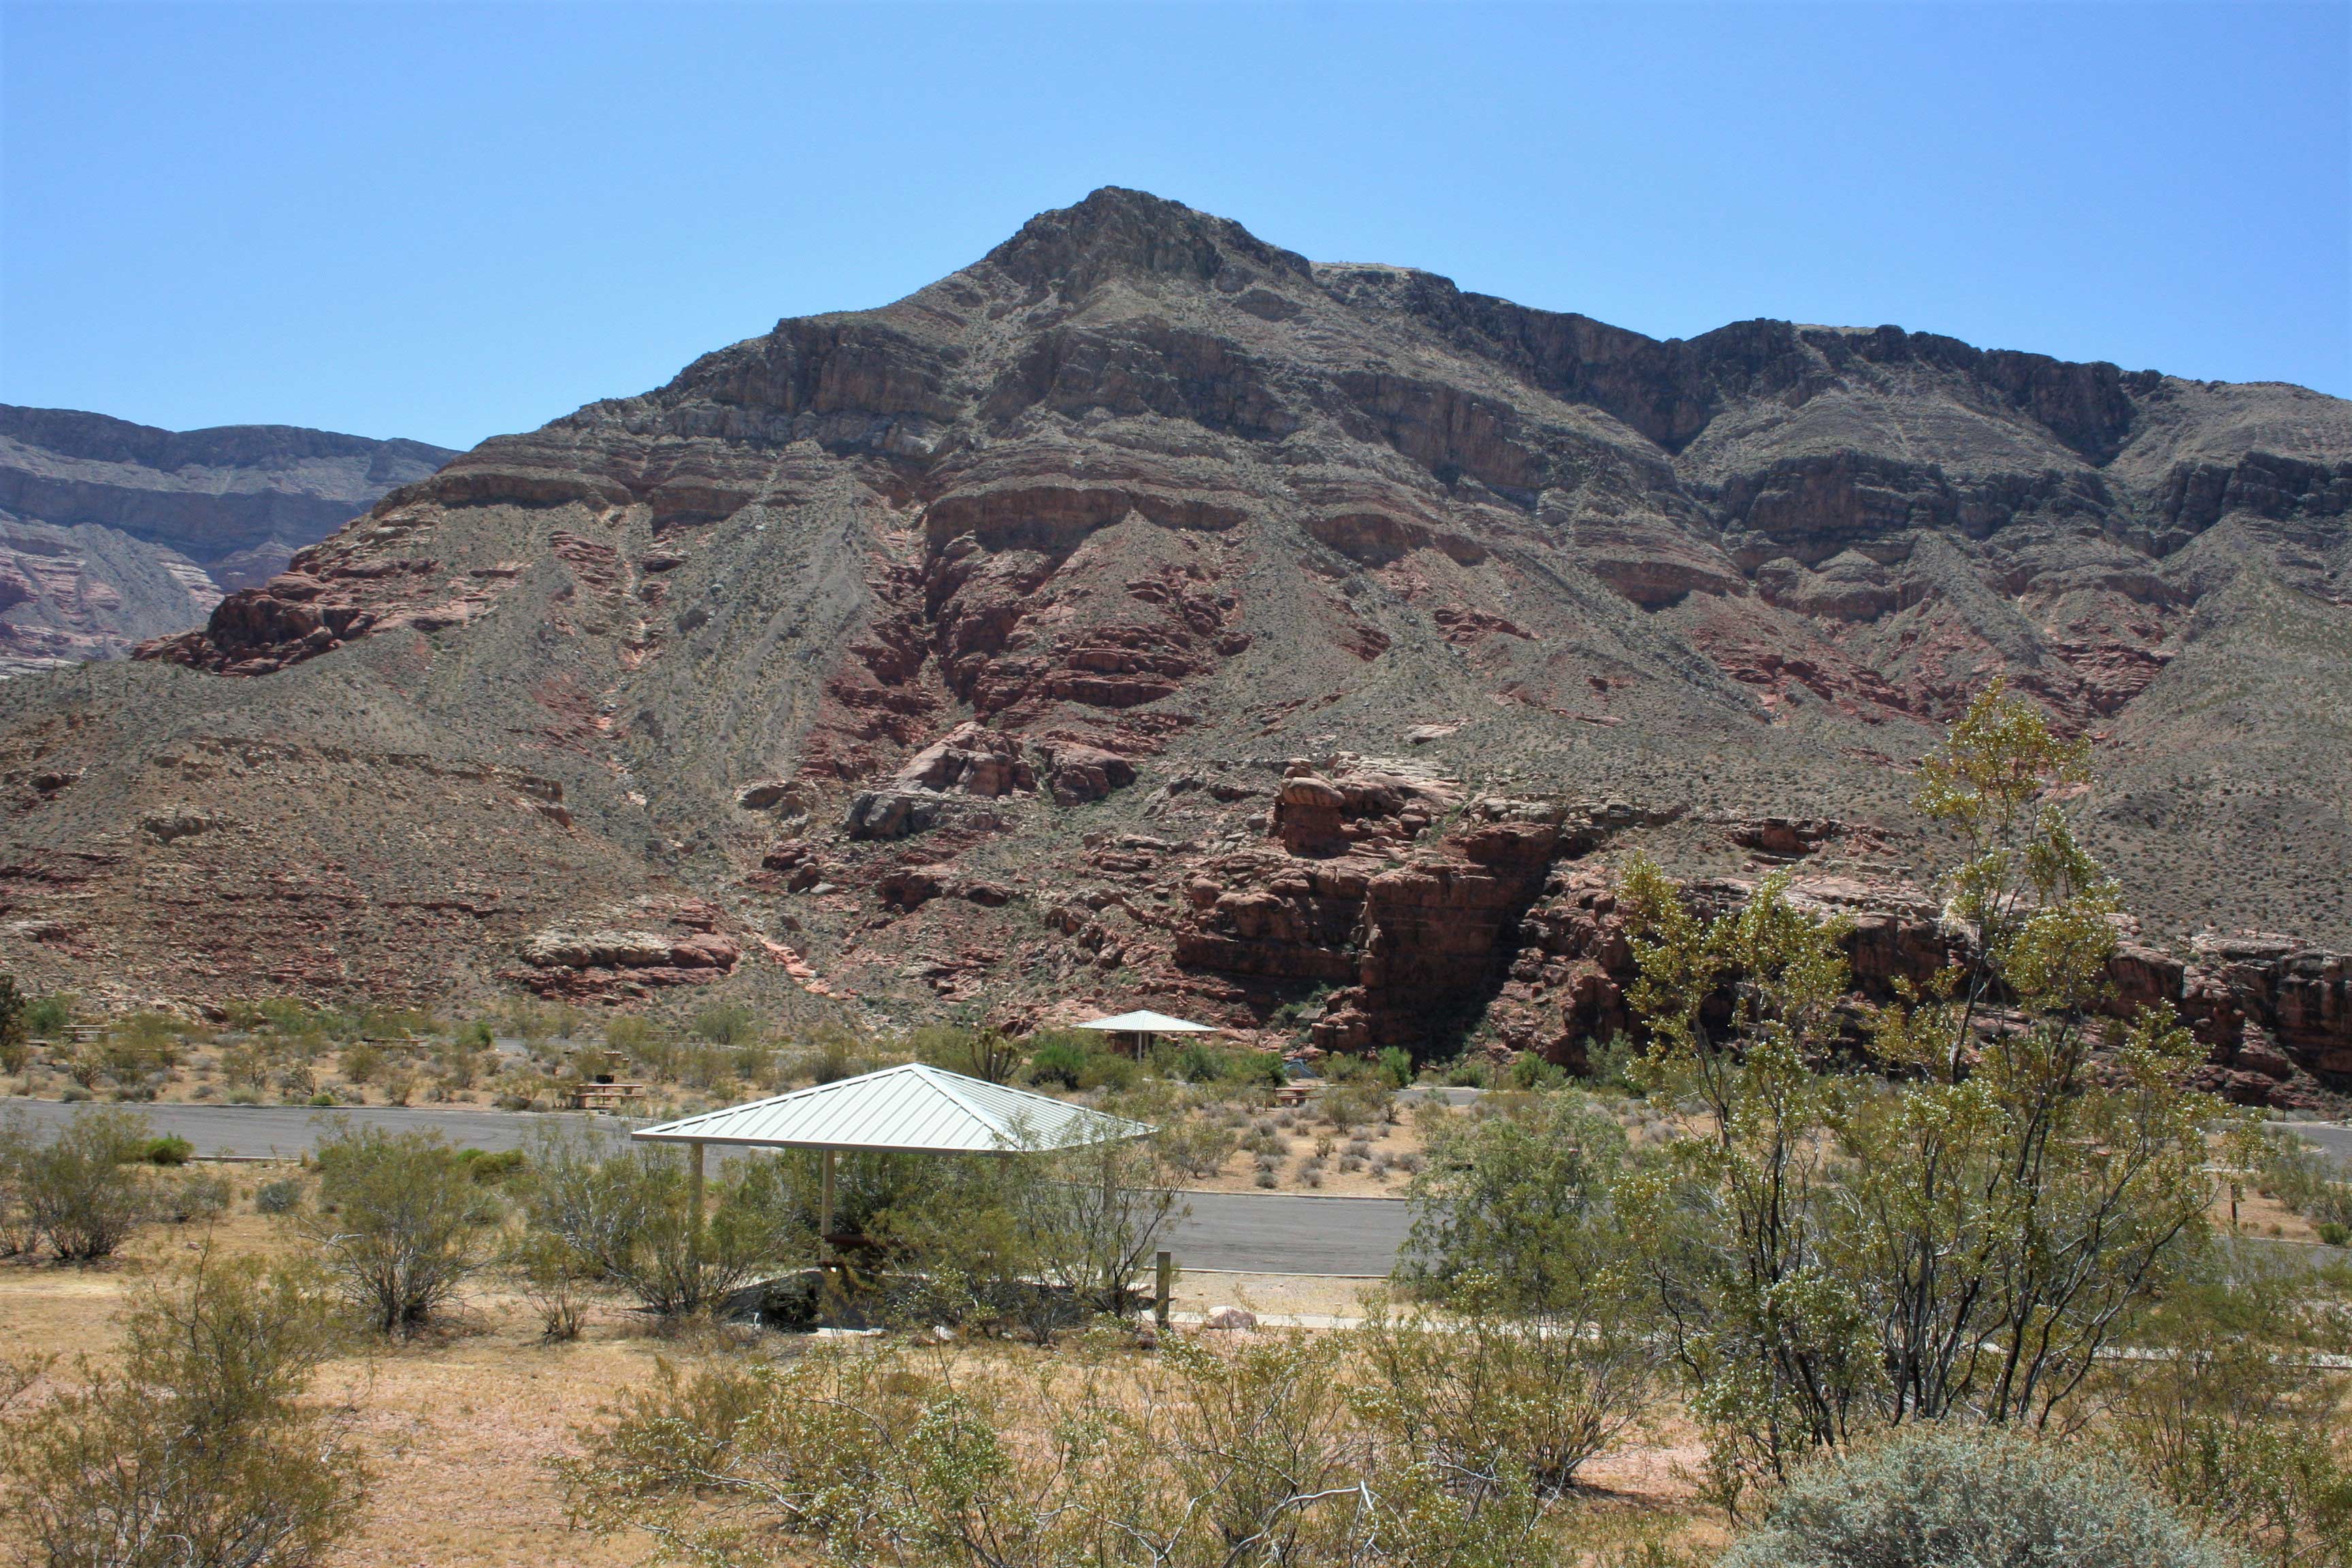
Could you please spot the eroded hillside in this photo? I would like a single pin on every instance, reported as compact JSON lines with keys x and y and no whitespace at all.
{"x":1147,"y":614}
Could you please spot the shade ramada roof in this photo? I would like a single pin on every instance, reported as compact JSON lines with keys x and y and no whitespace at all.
{"x":913,"y":1109}
{"x":1148,"y":1023}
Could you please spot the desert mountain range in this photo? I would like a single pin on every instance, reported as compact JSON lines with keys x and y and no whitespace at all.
{"x":1145,"y":614}
{"x":112,"y":532}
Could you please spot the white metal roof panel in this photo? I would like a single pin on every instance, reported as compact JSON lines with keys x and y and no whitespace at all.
{"x":915,"y":1107}
{"x":1148,"y":1023}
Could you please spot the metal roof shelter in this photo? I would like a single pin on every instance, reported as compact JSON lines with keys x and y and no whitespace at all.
{"x":1148,"y":1023}
{"x":1137,"y":1031}
{"x":913,"y":1108}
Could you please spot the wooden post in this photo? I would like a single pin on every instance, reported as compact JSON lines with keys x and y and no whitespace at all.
{"x":824,"y":1197}
{"x":1163,"y":1272}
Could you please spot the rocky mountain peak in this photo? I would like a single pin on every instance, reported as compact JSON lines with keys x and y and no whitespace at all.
{"x":1119,"y":231}
{"x":1140,"y":616}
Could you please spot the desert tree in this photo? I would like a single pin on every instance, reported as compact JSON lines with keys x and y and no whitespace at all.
{"x":1961,"y":1232}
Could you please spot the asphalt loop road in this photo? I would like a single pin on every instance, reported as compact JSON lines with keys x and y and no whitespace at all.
{"x":1237,"y":1232}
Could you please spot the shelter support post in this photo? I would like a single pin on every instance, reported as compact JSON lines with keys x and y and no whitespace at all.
{"x":694,"y":1190}
{"x":825,"y":1195}
{"x":1163,"y":1273}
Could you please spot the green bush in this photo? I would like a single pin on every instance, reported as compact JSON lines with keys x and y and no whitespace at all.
{"x":1397,"y":1064}
{"x":169,"y":1150}
{"x":1196,"y":1061}
{"x":1529,"y":1070}
{"x":725,"y":1024}
{"x":1466,"y":1072}
{"x":2334,"y":1232}
{"x":46,"y":1016}
{"x":1935,"y":1496}
{"x":624,"y":1216}
{"x":200,"y":1196}
{"x":16,"y":1050}
{"x":1075,"y":1063}
{"x":490,"y":1170}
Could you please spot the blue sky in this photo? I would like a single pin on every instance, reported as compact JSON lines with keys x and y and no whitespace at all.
{"x":447,"y":221}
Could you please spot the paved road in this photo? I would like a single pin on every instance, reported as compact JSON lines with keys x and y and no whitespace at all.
{"x":2333,"y":1139}
{"x":1242,"y":1232}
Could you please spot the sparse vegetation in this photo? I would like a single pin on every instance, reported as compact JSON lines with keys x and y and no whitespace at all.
{"x":193,"y":1447}
{"x":79,"y":1192}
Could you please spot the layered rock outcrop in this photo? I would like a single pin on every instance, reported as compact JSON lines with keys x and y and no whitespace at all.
{"x":1038,"y":580}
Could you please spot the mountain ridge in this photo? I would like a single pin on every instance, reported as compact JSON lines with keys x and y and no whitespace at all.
{"x":1109,"y":618}
{"x":115,"y":532}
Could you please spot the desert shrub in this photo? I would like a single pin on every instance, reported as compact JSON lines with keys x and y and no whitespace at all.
{"x":1193,"y":1061}
{"x":1519,"y":1202}
{"x":1495,"y":1395}
{"x":1609,"y":1064}
{"x":459,"y":1066}
{"x":16,"y":1033}
{"x":1937,"y":1494}
{"x":1241,"y":1455}
{"x":489,"y":1170}
{"x":79,"y":1191}
{"x":46,"y":1018}
{"x":1078,"y":1060}
{"x":399,"y":1225}
{"x":1062,"y":1063}
{"x":625,"y":1216}
{"x":725,"y":1024}
{"x":199,"y":1195}
{"x":554,"y":1279}
{"x":1466,"y":1072}
{"x":362,"y":1062}
{"x":1396,"y":1065}
{"x":627,"y":1032}
{"x":18,"y":1232}
{"x":195,"y":1448}
{"x":1529,"y":1070}
{"x":169,"y":1150}
{"x":984,"y":1054}
{"x":707,"y":1068}
{"x":2301,"y":1178}
{"x":139,"y":1043}
{"x":283,"y":1196}
{"x":1545,"y":1352}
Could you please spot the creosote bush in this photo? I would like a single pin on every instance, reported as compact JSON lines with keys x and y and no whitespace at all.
{"x":399,"y":1225}
{"x":80,"y":1192}
{"x":192,"y":1449}
{"x":622,"y":1216}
